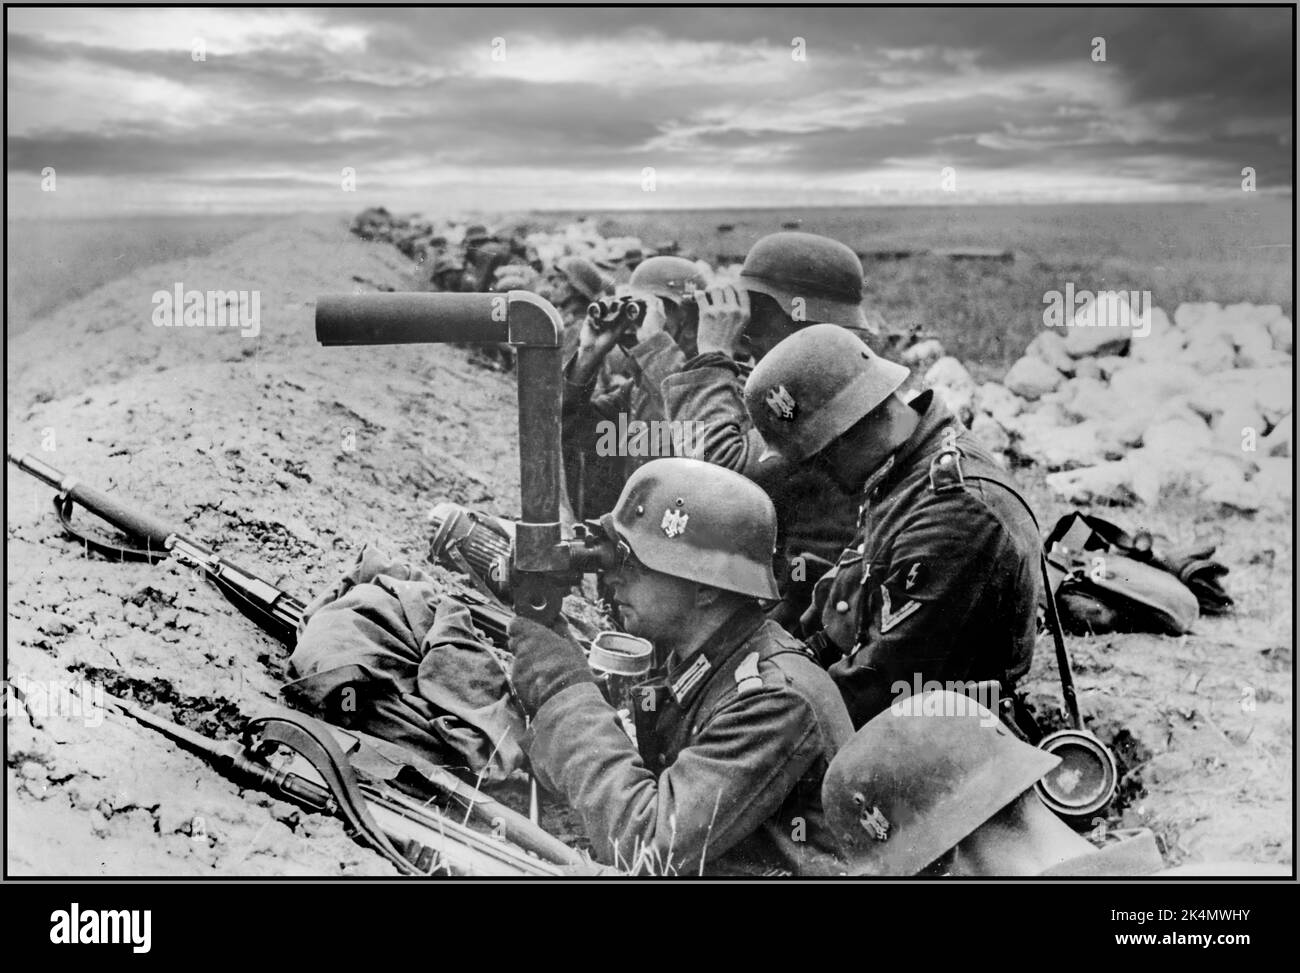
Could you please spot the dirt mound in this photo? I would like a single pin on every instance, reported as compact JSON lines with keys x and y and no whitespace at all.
{"x":287,"y":457}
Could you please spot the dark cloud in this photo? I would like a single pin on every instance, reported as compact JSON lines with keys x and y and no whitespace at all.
{"x":1186,"y":96}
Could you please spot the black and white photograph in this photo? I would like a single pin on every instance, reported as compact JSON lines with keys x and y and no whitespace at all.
{"x":585,"y":444}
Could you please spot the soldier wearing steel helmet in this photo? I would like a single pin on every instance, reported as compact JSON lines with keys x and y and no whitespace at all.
{"x":606,"y":385}
{"x":937,"y":785}
{"x":735,"y":730}
{"x":943,"y":580}
{"x":788,"y":282}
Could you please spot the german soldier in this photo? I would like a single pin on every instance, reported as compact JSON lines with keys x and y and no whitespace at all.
{"x":735,"y":731}
{"x":937,"y":785}
{"x":618,"y":389}
{"x":788,"y":281}
{"x":944,"y":580}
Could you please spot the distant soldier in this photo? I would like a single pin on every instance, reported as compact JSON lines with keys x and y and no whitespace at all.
{"x":446,"y":273}
{"x":572,"y":284}
{"x":609,"y":388}
{"x":735,"y":731}
{"x":937,"y":785}
{"x":788,"y":281}
{"x":944,"y":579}
{"x":483,"y":255}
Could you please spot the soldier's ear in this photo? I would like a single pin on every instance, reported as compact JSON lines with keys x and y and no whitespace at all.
{"x":706,"y":596}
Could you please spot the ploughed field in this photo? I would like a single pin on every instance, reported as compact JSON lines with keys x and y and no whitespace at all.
{"x":287,"y":457}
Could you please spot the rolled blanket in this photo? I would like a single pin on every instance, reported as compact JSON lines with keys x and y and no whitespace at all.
{"x":386,"y":652}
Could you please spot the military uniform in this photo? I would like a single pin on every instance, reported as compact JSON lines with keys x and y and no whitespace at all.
{"x":813,"y":515}
{"x":625,"y":393}
{"x":733,"y":745}
{"x":944,"y":581}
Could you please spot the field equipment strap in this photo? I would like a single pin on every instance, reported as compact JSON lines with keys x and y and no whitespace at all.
{"x":1063,"y":666}
{"x":63,"y":505}
{"x":323,"y":753}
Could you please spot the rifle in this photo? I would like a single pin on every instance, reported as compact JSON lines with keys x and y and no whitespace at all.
{"x":416,"y":838}
{"x":277,"y":612}
{"x":273,"y":609}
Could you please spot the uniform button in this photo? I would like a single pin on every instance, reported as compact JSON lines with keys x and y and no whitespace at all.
{"x":841,"y":606}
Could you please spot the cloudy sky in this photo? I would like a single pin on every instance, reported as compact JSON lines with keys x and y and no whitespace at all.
{"x":514,"y":108}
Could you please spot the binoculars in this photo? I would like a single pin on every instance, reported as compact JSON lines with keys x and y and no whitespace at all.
{"x":619,"y":314}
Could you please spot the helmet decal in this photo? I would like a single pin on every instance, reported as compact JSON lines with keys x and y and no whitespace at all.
{"x":674,"y":522}
{"x":782,"y":403}
{"x":872,"y":820}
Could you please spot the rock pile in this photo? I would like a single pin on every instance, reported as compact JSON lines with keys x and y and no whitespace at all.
{"x":1200,"y":404}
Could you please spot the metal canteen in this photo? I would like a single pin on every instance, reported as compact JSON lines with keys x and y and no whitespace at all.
{"x":1086,"y":779}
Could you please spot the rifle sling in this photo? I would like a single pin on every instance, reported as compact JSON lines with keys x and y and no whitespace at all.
{"x":323,"y":753}
{"x":63,"y":505}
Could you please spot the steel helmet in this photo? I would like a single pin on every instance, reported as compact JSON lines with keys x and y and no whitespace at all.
{"x":476,"y":233}
{"x":700,"y":522}
{"x":671,"y":278}
{"x":920,"y":777}
{"x":821,"y":273}
{"x":814,"y":385}
{"x":583,"y":275}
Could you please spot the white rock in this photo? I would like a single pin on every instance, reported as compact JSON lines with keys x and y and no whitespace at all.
{"x":1085,"y":341}
{"x":1154,"y":381}
{"x":1088,"y":398}
{"x":1283,"y":332}
{"x":1278,"y":442}
{"x":1182,"y":435}
{"x":1159,"y":327}
{"x":1158,"y":347}
{"x":989,"y":431}
{"x":1232,"y":491}
{"x":1271,"y":390}
{"x":1065,"y":447}
{"x":1237,"y":426}
{"x":1209,"y":353}
{"x":1088,"y":368}
{"x":998,"y":401}
{"x":1103,"y":483}
{"x":1254,"y":345}
{"x":950,"y":372}
{"x":1031,"y":378}
{"x":1049,"y":347}
{"x":1273,"y":483}
{"x":960,"y":401}
{"x":921,"y":353}
{"x":1105,"y":325}
{"x":1110,"y":364}
{"x":1193,"y":317}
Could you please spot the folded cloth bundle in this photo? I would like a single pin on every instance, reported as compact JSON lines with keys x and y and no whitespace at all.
{"x":386,"y":652}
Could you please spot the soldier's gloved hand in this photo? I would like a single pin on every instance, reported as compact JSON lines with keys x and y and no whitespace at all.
{"x":724,"y":313}
{"x":546,"y":663}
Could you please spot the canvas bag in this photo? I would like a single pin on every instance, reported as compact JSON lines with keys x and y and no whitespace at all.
{"x":1106,"y":580}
